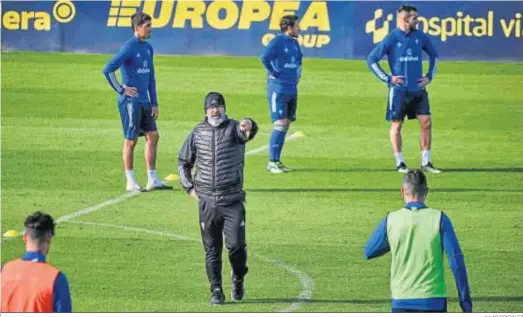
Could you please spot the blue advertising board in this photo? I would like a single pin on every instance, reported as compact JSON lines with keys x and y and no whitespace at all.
{"x":330,"y":29}
{"x":460,"y":30}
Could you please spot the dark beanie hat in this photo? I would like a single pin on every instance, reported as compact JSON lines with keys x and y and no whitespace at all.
{"x":213,"y":99}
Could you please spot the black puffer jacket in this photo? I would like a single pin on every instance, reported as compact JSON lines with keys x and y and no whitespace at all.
{"x":217,"y":153}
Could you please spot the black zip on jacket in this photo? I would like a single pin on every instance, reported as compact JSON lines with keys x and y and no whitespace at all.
{"x":218,"y":154}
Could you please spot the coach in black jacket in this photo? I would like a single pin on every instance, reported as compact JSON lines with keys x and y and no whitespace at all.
{"x":216,"y":147}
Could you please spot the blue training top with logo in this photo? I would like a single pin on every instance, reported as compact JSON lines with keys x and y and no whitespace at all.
{"x":282,"y":58}
{"x":404,"y":52}
{"x":135,"y":61}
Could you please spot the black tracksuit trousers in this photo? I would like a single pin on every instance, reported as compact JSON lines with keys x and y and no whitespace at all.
{"x":215,"y":222}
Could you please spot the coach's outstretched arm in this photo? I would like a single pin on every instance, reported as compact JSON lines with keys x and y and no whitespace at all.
{"x":113,"y":65}
{"x":456,"y":262}
{"x":373,"y":60}
{"x":186,"y":159}
{"x":246,"y":130}
{"x":378,"y":243}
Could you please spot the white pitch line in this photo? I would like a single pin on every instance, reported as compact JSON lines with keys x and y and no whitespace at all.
{"x":91,"y":209}
{"x":94,"y":208}
{"x":125,"y":196}
{"x":159,"y":233}
{"x":306,"y":282}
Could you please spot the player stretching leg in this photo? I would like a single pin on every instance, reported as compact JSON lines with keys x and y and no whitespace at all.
{"x":137,"y":100}
{"x":407,"y":86}
{"x":282,"y":58}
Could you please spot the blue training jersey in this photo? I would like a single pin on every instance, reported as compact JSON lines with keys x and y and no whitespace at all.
{"x":404,"y":53}
{"x":283,"y":59}
{"x":135,"y":61}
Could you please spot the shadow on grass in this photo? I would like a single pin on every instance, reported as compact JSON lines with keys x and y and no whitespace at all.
{"x":382,"y":170}
{"x":376,"y":190}
{"x":489,"y":299}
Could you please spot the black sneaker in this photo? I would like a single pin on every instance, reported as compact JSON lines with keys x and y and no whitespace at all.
{"x":430,"y":168}
{"x":237,"y":289}
{"x":217,"y":298}
{"x":402,"y":168}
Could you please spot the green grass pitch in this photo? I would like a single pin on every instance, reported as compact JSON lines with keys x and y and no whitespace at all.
{"x":61,"y":152}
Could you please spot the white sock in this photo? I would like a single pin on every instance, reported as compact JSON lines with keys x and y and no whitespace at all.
{"x":151,"y":174}
{"x":399,"y":158}
{"x":129,"y":174}
{"x":425,"y":157}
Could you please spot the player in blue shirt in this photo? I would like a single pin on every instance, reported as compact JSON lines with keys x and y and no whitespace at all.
{"x":283,"y":59}
{"x":137,"y":101}
{"x":407,"y":85}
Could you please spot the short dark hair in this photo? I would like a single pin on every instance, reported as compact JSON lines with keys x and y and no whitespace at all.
{"x":288,"y":21}
{"x":407,"y":8}
{"x":415,"y":182}
{"x":39,"y":225}
{"x":139,"y":18}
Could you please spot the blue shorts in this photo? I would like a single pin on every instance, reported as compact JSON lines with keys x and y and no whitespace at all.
{"x":442,"y":309}
{"x":136,"y":118}
{"x":404,"y":103}
{"x":282,"y":105}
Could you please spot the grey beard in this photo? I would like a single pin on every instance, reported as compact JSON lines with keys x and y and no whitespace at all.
{"x":216,"y":122}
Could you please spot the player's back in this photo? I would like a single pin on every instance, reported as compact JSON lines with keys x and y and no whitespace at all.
{"x":415,"y":241}
{"x":27,"y":286}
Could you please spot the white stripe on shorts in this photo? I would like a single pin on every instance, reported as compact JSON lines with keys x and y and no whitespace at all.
{"x":273,"y":101}
{"x":391,"y":97}
{"x":130,"y":113}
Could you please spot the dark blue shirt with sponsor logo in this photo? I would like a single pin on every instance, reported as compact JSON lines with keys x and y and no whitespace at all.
{"x":404,"y":52}
{"x":135,"y":61}
{"x":283,"y":58}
